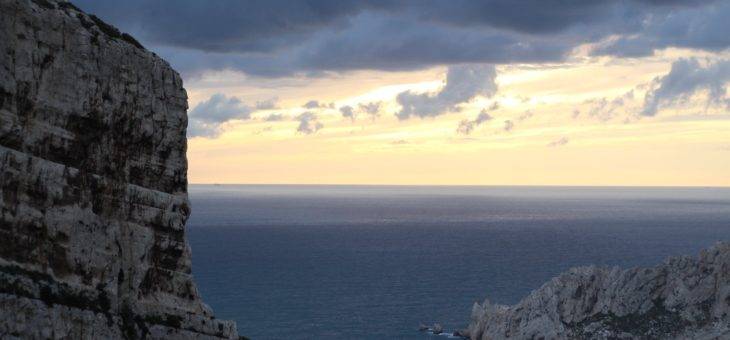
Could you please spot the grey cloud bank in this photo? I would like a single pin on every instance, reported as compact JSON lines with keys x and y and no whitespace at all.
{"x":463,"y":83}
{"x":278,"y":38}
{"x":687,"y":77}
{"x":206,"y":118}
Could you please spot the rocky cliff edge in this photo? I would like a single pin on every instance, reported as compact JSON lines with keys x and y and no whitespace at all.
{"x":93,"y":184}
{"x":683,"y":298}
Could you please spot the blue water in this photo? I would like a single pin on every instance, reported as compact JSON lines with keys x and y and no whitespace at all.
{"x":372,"y":262}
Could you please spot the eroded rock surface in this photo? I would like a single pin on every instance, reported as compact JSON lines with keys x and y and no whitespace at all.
{"x":683,"y":298}
{"x":93,"y":186}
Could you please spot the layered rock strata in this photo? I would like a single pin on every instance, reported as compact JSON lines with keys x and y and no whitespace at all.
{"x":683,"y":298}
{"x":93,"y":186}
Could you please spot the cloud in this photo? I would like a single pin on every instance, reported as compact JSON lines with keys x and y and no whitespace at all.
{"x":508,"y":125}
{"x":372,"y":109}
{"x":265,"y":129}
{"x":314,"y":104}
{"x":206,"y":118}
{"x":690,"y":26}
{"x":308,"y":123}
{"x":268,"y":104}
{"x":347,"y":112}
{"x":225,"y":25}
{"x":463,"y":83}
{"x":274,"y":117}
{"x":686,"y":77}
{"x":467,"y":126}
{"x":558,"y":142}
{"x":604,"y":109}
{"x":525,"y":115}
{"x":279,"y":37}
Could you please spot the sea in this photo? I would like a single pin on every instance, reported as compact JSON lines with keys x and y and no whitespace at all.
{"x":374,"y":262}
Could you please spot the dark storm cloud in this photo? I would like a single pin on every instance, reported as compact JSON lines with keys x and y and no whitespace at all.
{"x":686,"y":77}
{"x":206,"y":118}
{"x":225,"y":25}
{"x":382,"y":43}
{"x":278,"y":37}
{"x":463,"y":82}
{"x":701,"y":28}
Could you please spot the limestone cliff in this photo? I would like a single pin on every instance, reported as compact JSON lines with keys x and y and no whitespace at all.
{"x":683,"y":298}
{"x":93,"y":186}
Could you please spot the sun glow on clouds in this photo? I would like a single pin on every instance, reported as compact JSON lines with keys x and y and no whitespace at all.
{"x":404,"y":92}
{"x":578,"y":123}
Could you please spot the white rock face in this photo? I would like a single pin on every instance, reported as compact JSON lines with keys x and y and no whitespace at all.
{"x":683,"y":298}
{"x":93,"y":184}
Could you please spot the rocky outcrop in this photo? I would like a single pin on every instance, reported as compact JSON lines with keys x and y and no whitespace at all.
{"x":93,"y":186}
{"x":683,"y":298}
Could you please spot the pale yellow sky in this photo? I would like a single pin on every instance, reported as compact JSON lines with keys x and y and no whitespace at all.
{"x":687,"y":143}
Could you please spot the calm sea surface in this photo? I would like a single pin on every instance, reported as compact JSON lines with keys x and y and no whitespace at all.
{"x":372,"y":262}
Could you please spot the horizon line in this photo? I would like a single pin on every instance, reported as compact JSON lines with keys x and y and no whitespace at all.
{"x":473,"y":185}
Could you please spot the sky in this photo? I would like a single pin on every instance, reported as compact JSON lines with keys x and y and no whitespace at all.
{"x":493,"y":92}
